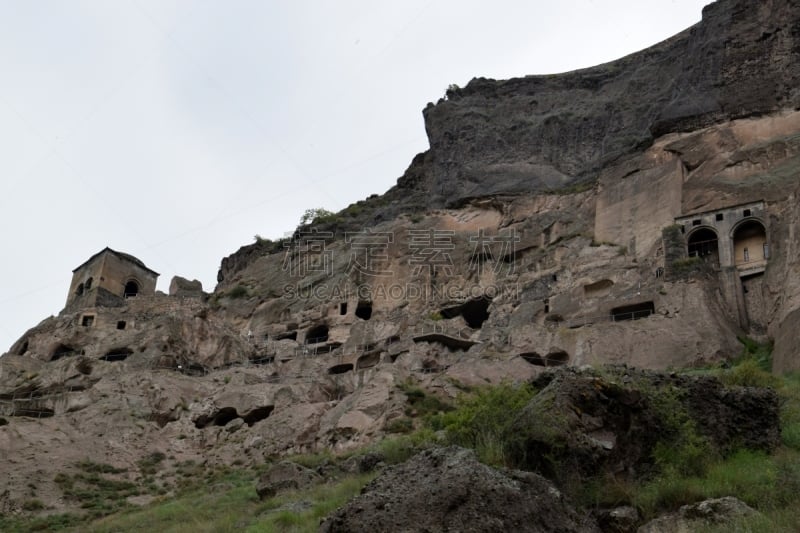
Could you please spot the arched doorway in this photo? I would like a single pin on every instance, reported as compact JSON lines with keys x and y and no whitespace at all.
{"x":750,"y":243}
{"x":131,"y":289}
{"x":704,"y":243}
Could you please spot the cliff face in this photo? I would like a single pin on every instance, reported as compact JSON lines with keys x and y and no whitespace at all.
{"x":542,"y":133}
{"x":550,"y":223}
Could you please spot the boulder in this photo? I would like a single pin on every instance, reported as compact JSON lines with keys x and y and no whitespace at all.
{"x":585,"y":422}
{"x":359,"y":464}
{"x":283,"y":476}
{"x":618,"y":520}
{"x":696,"y":516}
{"x":448,"y":489}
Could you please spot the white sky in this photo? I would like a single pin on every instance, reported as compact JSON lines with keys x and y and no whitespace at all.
{"x":177,"y":130}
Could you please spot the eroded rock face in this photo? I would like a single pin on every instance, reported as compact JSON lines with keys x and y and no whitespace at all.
{"x":541,"y":133}
{"x":275,"y":362}
{"x":586,"y":422}
{"x":448,"y":489}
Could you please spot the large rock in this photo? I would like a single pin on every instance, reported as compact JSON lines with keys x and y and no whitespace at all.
{"x":447,"y":489}
{"x":285,"y":475}
{"x":588,"y":421}
{"x":696,"y":516}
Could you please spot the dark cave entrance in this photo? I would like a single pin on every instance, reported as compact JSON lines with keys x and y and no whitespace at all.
{"x":475,"y":312}
{"x":317,"y":334}
{"x":340,"y":369}
{"x":364,"y":310}
{"x":557,"y":358}
{"x":117,"y":354}
{"x":62,"y":350}
{"x":632,"y":312}
{"x":289,"y":335}
{"x":258,"y":414}
{"x":533,"y":358}
{"x":225,"y":415}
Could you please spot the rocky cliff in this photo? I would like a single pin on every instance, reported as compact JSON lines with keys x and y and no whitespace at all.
{"x":643,"y":212}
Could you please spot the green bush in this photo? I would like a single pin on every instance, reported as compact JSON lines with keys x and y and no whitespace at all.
{"x":316,"y":215}
{"x":422,"y":404}
{"x":239,"y":291}
{"x":98,"y":468}
{"x":32,"y":505}
{"x":680,"y":449}
{"x":398,"y":449}
{"x":400,"y":425}
{"x":149,"y":464}
{"x":483,"y":421}
{"x":682,"y":266}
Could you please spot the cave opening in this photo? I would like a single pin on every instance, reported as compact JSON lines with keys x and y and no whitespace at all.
{"x":556,"y":358}
{"x":117,"y":354}
{"x":62,"y":350}
{"x":364,"y":310}
{"x":475,"y":311}
{"x":369,"y":360}
{"x":225,"y":415}
{"x":317,"y":334}
{"x":633,"y":311}
{"x":340,"y":369}
{"x":532,"y":358}
{"x":289,"y":335}
{"x":258,"y":414}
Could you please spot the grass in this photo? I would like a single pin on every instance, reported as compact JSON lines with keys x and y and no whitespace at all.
{"x":686,"y":264}
{"x":770,"y":483}
{"x":421,"y":404}
{"x":483,"y":421}
{"x":234,"y":506}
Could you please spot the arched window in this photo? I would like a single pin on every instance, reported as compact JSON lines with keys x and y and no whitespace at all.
{"x":750,"y":243}
{"x":88,"y":284}
{"x":131,"y":289}
{"x":79,"y":290}
{"x":703,"y":243}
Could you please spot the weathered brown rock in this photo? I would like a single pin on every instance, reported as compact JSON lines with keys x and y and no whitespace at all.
{"x":587,"y":422}
{"x":283,"y":476}
{"x":447,"y":489}
{"x":693,"y":128}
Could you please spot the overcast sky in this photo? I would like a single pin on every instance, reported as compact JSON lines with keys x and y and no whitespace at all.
{"x":177,"y":130}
